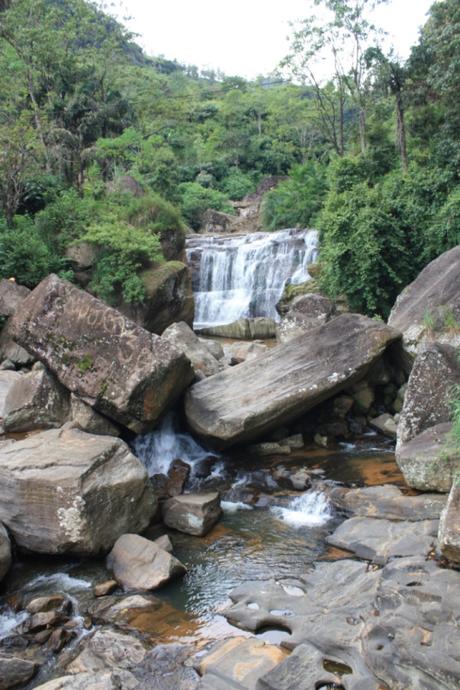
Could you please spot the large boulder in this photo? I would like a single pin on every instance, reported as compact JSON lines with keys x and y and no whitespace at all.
{"x":429,"y":392}
{"x":126,"y":373}
{"x":140,"y":564}
{"x":192,"y":513}
{"x":36,"y":401}
{"x":65,"y":491}
{"x":87,"y":419}
{"x":429,"y":308}
{"x":8,"y":379}
{"x":305,"y":313}
{"x":11,"y":296}
{"x":5,"y":552}
{"x":185,"y":340}
{"x":258,"y":328}
{"x":168,"y":298}
{"x":449,"y":527}
{"x":244,"y":402}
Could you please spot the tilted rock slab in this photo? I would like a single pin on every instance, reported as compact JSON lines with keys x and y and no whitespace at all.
{"x":5,"y":552}
{"x":449,"y":527}
{"x":122,"y":370}
{"x":244,"y":402}
{"x":65,"y":491}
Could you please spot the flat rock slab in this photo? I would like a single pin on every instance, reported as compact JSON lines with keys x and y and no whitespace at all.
{"x":65,"y":491}
{"x":125,"y":372}
{"x":192,"y":513}
{"x":388,"y":502}
{"x":141,"y":564}
{"x":244,"y":402}
{"x":449,"y":527}
{"x":379,"y":540}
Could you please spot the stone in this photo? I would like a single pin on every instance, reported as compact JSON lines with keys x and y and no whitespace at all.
{"x":258,"y":328}
{"x":169,"y":298}
{"x":305,"y":313}
{"x":429,"y":462}
{"x":165,"y":543}
{"x":11,"y":350}
{"x":36,"y":401}
{"x":237,"y":663}
{"x":378,"y":540}
{"x":45,"y":604}
{"x":140,"y":564}
{"x":449,"y":527}
{"x":108,"y":649}
{"x":104,"y":588}
{"x":15,"y":671}
{"x":5,"y":552}
{"x":11,"y":296}
{"x":388,"y":502}
{"x":363,"y":396}
{"x":236,"y":353}
{"x":7,"y":380}
{"x":126,"y":373}
{"x":429,"y":392}
{"x":105,"y":680}
{"x":269,"y":448}
{"x":192,"y":513}
{"x":384,"y":423}
{"x":65,"y":491}
{"x":216,"y":222}
{"x":82,"y":255}
{"x":177,"y":477}
{"x":214,"y":347}
{"x":429,"y":308}
{"x":181,"y":336}
{"x":87,"y":419}
{"x":248,"y":401}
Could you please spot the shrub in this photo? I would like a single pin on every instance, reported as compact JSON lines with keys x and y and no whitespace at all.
{"x":237,"y":184}
{"x":196,"y":199}
{"x":66,"y":219}
{"x":24,"y":254}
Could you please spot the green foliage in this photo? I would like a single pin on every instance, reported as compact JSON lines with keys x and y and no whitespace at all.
{"x":296,"y":202}
{"x":24,"y":255}
{"x":196,"y":199}
{"x":237,"y":184}
{"x":66,"y":219}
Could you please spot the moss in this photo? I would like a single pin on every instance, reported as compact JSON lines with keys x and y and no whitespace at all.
{"x":155,"y":278}
{"x":86,"y":363}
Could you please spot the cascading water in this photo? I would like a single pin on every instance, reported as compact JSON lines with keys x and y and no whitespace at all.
{"x":245,"y":275}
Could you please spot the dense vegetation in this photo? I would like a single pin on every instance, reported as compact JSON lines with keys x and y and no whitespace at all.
{"x":371,"y":155}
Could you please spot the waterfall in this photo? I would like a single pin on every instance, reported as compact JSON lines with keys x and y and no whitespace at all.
{"x":245,"y":275}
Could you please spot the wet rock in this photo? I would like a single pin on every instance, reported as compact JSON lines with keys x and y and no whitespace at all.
{"x":342,"y":405}
{"x":169,"y":298}
{"x":108,"y":649}
{"x":269,"y":448}
{"x":305,"y":313}
{"x":449,"y":527}
{"x":378,"y":540}
{"x":165,"y":543}
{"x":387,"y":502}
{"x":244,"y":402}
{"x":87,"y":419}
{"x":178,"y":474}
{"x":5,"y":552}
{"x":237,"y":663}
{"x":430,"y":461}
{"x":120,"y":369}
{"x":429,"y":308}
{"x":429,"y":392}
{"x":104,"y":588}
{"x":181,"y":336}
{"x":363,"y":396}
{"x":258,"y":328}
{"x":237,"y":353}
{"x":141,"y":564}
{"x":36,"y":401}
{"x":64,"y":491}
{"x":384,"y":423}
{"x":192,"y":513}
{"x":15,"y":671}
{"x":49,"y":603}
{"x":298,"y":480}
{"x":43,"y":620}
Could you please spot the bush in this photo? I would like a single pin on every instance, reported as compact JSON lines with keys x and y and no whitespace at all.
{"x":195,"y":200}
{"x":295,"y":202}
{"x":24,"y":254}
{"x":237,"y":184}
{"x":66,"y":219}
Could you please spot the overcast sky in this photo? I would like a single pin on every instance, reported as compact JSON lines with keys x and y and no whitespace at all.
{"x":244,"y":37}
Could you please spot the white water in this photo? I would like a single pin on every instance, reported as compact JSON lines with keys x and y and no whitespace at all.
{"x":244,"y":276}
{"x":309,"y":510}
{"x":234,"y":506}
{"x":61,"y":581}
{"x":9,"y":621}
{"x":158,"y":449}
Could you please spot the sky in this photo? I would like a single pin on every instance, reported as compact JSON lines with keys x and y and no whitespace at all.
{"x":244,"y":37}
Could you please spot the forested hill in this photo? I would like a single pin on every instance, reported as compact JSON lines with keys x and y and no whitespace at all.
{"x":371,"y":157}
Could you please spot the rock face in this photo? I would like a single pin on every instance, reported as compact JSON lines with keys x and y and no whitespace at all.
{"x":258,"y":328}
{"x":429,"y":308}
{"x":36,"y":401}
{"x":140,"y":564}
{"x":428,"y":462}
{"x":305,"y":313}
{"x":387,"y":502}
{"x":87,"y":419}
{"x":8,"y":379}
{"x":15,"y":671}
{"x":184,"y":339}
{"x":5,"y":552}
{"x":64,"y":491}
{"x":449,"y":527}
{"x":260,"y":395}
{"x":169,"y":298}
{"x":429,"y":392}
{"x":192,"y":513}
{"x":120,"y":369}
{"x":11,"y":296}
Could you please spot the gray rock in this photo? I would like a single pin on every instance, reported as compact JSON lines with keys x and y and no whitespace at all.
{"x":5,"y":552}
{"x":429,"y":308}
{"x":181,"y":336}
{"x":306,"y":312}
{"x":64,"y":491}
{"x":15,"y":671}
{"x":387,"y":502}
{"x":7,"y":380}
{"x":141,"y":564}
{"x":82,"y":255}
{"x":11,"y":296}
{"x":87,"y":419}
{"x":11,"y":350}
{"x":430,"y":461}
{"x":108,"y":649}
{"x":269,"y":448}
{"x":449,"y":527}
{"x":36,"y":401}
{"x":258,"y":328}
{"x":192,"y":513}
{"x":245,"y":402}
{"x":214,"y":347}
{"x":363,"y":396}
{"x":236,"y":353}
{"x":105,"y":680}
{"x":126,"y":373}
{"x":429,"y":392}
{"x":384,"y":423}
{"x":378,"y":540}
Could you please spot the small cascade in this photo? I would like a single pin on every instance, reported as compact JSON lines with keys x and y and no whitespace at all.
{"x":245,"y":275}
{"x":312,"y":509}
{"x":158,"y":449}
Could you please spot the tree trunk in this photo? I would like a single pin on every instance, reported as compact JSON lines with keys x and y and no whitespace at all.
{"x":362,"y":131}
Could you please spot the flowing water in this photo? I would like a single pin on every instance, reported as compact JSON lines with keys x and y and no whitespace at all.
{"x":245,"y":275}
